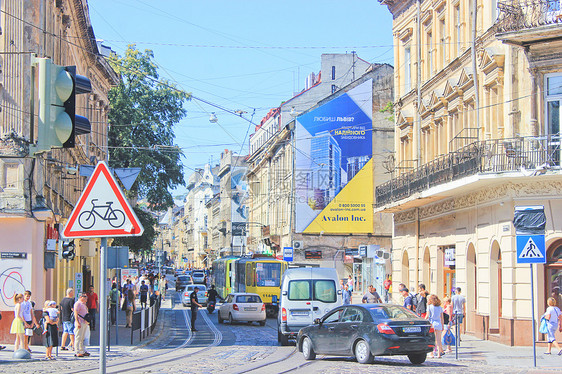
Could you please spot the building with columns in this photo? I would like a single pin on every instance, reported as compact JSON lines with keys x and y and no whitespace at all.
{"x":477,"y":133}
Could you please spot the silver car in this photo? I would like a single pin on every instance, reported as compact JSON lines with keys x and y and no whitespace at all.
{"x":201,"y":294}
{"x":198,"y":277}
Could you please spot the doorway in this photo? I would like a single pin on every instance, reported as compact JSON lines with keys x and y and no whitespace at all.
{"x":472,"y":287}
{"x":426,"y":270}
{"x":553,"y":277}
{"x":406,"y":269}
{"x":495,"y":288}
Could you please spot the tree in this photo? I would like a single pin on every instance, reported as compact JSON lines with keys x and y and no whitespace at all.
{"x":143,"y":243}
{"x":144,"y":110}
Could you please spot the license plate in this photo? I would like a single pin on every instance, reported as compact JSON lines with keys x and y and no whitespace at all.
{"x":411,"y":329}
{"x":300,"y":312}
{"x":250,"y":309}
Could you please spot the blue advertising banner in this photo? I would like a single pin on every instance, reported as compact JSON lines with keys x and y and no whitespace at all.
{"x":333,"y":168}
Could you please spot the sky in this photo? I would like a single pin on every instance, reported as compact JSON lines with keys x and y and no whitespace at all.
{"x":240,"y":55}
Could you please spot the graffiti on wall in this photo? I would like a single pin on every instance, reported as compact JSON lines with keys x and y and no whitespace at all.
{"x":15,"y":277}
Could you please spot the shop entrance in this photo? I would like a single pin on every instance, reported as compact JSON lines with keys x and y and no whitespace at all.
{"x":553,"y":277}
{"x":449,"y":281}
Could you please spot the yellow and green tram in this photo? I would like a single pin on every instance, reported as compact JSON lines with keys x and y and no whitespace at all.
{"x":258,"y":274}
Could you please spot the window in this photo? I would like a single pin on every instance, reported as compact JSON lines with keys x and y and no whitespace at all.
{"x":325,"y":291}
{"x":407,"y":69}
{"x":334,"y":88}
{"x":333,"y":73}
{"x":268,"y":274}
{"x":393,"y":312}
{"x":334,"y":317}
{"x":429,"y":69}
{"x":10,"y":175}
{"x":352,"y":315}
{"x":443,"y":41}
{"x":299,"y":290}
{"x":251,"y":299}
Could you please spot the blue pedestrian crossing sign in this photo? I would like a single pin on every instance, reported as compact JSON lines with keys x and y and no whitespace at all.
{"x":531,"y":249}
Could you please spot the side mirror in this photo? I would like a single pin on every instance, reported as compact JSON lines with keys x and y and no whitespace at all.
{"x":274,"y":299}
{"x":317,"y":321}
{"x":284,"y":293}
{"x":339,"y":292}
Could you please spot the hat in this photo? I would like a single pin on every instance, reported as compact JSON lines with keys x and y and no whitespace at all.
{"x":52,"y":302}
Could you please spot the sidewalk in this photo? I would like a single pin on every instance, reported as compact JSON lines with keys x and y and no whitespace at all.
{"x":124,"y":339}
{"x":494,"y":354}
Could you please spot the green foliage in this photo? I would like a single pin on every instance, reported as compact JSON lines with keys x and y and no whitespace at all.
{"x":143,"y":243}
{"x":389,"y":108}
{"x":144,"y":110}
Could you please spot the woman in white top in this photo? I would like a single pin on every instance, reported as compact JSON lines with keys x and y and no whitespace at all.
{"x":435,"y":316}
{"x":554,"y":317}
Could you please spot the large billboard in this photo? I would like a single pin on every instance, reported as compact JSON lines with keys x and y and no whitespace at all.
{"x":333,"y":166}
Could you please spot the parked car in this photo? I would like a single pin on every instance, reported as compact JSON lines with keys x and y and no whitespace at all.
{"x":198,"y":276}
{"x":306,"y":294}
{"x":182,"y":281}
{"x":368,"y":330}
{"x":247,"y":307}
{"x":201,"y":294}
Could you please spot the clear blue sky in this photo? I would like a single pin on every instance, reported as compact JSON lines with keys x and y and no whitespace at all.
{"x":239,"y":54}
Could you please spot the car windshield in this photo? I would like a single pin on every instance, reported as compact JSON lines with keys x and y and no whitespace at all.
{"x":322,"y":290}
{"x":200,"y":287}
{"x":391,"y":312}
{"x":248,"y":299}
{"x":198,"y":274}
{"x":183,"y":278}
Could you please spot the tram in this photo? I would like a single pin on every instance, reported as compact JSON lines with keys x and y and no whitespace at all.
{"x":258,"y":274}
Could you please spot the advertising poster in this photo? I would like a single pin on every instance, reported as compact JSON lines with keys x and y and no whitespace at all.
{"x":15,"y":277}
{"x":333,"y":171}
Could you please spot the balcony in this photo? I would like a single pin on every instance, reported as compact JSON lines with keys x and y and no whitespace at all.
{"x":525,"y":22}
{"x":526,"y":156}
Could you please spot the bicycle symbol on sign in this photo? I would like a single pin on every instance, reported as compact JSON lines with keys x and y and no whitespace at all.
{"x":115,"y":217}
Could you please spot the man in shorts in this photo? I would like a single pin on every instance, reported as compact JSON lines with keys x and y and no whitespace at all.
{"x":29,"y":318}
{"x":67,"y":308}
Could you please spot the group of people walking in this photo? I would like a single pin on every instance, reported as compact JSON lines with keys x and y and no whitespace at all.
{"x":74,"y":316}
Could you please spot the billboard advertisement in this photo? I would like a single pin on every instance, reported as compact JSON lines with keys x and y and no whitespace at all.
{"x":333,"y":165}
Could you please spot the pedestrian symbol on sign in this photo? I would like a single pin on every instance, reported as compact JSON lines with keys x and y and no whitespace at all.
{"x":530,"y":250}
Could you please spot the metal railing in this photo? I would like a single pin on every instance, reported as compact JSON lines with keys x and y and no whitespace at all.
{"x":515,"y":15}
{"x":145,"y":319}
{"x":532,"y":155}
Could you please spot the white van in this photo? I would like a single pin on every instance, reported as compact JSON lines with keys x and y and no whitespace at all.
{"x":306,"y":294}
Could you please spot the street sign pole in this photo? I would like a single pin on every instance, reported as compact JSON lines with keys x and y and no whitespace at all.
{"x":533,"y":314}
{"x":103,"y":304}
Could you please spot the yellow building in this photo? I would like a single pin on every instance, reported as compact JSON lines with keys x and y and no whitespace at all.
{"x":477,"y":133}
{"x":37,"y":193}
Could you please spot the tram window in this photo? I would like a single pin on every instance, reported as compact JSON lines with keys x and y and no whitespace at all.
{"x":268,"y":274}
{"x":299,"y":290}
{"x":249,"y":275}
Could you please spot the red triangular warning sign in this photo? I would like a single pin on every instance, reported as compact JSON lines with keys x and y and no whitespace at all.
{"x":102,"y":210}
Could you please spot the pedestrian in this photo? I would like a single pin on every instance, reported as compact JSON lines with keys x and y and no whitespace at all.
{"x":143,"y":294}
{"x":130,"y":308}
{"x":346,"y":295}
{"x":408,"y":303}
{"x":114,"y":299}
{"x":554,"y":318}
{"x":194,"y":303}
{"x":421,"y":298}
{"x":447,"y":317}
{"x":18,"y":327}
{"x":350,"y":283}
{"x":51,"y":331}
{"x":67,"y":316}
{"x":29,"y":320}
{"x":371,"y":296}
{"x":93,"y":306}
{"x":459,"y":308}
{"x":387,"y":284}
{"x":435,"y":317}
{"x":162,"y":286}
{"x":80,"y":325}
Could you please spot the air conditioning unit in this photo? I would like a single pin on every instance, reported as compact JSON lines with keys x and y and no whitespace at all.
{"x":298,"y":244}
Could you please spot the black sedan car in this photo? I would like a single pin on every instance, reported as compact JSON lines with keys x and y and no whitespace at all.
{"x":368,"y":330}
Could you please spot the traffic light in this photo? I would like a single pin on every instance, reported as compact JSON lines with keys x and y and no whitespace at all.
{"x":58,"y":123}
{"x":68,"y":252}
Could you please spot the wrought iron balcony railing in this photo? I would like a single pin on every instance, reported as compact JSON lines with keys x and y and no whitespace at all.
{"x":532,"y":155}
{"x":516,"y":15}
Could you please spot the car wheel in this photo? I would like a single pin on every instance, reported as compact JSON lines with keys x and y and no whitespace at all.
{"x":417,"y":358}
{"x":363,"y":352}
{"x":219,"y":317}
{"x":230,"y":319}
{"x":307,"y":350}
{"x":262,"y":323}
{"x":282,"y":339}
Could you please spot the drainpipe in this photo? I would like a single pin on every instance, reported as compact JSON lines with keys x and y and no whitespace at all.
{"x":417,"y":277}
{"x":534,"y":121}
{"x":474,"y":74}
{"x":418,"y":83}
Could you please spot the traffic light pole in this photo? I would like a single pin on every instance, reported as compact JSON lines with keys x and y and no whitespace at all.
{"x":103,"y":304}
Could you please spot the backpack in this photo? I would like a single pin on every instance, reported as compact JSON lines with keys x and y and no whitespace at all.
{"x":114,"y":295}
{"x":414,"y":301}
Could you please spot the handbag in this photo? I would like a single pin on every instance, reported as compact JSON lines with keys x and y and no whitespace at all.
{"x":448,"y":338}
{"x":543,"y":328}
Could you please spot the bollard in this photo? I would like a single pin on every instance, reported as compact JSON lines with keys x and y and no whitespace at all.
{"x":21,"y":354}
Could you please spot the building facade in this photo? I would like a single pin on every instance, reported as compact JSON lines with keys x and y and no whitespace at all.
{"x":37,"y":193}
{"x":476,"y":134}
